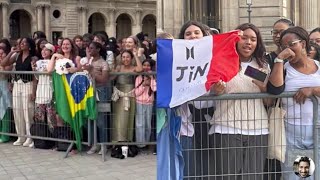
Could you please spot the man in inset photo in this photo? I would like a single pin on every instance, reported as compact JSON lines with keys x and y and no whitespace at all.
{"x":303,"y":167}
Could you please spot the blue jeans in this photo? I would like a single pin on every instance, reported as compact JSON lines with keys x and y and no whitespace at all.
{"x":102,"y":119}
{"x":299,"y":143}
{"x":143,"y":122}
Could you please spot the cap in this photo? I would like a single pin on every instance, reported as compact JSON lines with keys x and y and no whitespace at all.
{"x":50,"y":47}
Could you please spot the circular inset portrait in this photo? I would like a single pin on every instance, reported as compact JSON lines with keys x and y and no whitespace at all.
{"x":303,"y":167}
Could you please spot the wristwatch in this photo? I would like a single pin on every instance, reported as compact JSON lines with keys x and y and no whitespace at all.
{"x":277,"y":60}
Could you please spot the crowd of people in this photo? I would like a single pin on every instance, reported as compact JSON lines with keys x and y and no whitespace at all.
{"x":234,"y":144}
{"x":124,"y":101}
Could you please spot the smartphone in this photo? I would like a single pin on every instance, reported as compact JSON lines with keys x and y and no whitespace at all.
{"x":256,"y":74}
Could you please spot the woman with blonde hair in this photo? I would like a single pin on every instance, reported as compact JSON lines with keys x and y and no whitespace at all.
{"x":131,"y":44}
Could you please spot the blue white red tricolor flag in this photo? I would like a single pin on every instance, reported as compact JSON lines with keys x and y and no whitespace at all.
{"x":186,"y":69}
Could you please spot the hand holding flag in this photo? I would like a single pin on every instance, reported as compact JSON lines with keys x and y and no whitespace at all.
{"x":186,"y":69}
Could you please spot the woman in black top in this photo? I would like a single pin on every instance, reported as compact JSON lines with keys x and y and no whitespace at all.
{"x":24,"y":89}
{"x":278,"y":27}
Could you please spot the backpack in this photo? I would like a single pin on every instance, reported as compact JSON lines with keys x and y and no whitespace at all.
{"x":116,"y":152}
{"x":64,"y":133}
{"x":133,"y":150}
{"x":42,"y":130}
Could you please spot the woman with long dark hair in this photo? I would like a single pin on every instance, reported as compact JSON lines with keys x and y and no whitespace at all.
{"x":145,"y":87}
{"x":24,"y":89}
{"x":240,"y":127}
{"x":194,"y":129}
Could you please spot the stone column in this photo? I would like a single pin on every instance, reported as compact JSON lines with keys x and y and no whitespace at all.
{"x":160,"y":16}
{"x":83,"y":19}
{"x":47,"y":21}
{"x":40,"y":17}
{"x":137,"y":25}
{"x":229,"y":15}
{"x":5,"y":20}
{"x":309,"y":14}
{"x":178,"y":17}
{"x":111,"y":28}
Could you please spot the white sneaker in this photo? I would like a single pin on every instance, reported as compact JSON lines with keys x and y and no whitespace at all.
{"x":27,"y":143}
{"x":93,"y":150}
{"x":18,"y":142}
{"x":31,"y":145}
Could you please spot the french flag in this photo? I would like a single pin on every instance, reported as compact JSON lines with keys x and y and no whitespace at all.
{"x":186,"y":69}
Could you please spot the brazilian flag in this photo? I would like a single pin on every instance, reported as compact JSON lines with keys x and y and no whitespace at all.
{"x":75,"y":100}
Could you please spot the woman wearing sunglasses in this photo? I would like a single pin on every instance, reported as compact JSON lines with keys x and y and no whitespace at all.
{"x":300,"y":74}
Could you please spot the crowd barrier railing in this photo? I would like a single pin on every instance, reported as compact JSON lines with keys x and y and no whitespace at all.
{"x":99,"y":132}
{"x":231,"y":131}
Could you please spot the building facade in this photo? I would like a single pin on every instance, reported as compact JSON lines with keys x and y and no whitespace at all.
{"x":67,"y":18}
{"x":228,"y":14}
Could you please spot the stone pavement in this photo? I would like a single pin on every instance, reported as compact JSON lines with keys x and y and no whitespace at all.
{"x":24,"y":163}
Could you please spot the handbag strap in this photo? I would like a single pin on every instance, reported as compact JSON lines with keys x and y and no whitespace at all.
{"x":278,"y":102}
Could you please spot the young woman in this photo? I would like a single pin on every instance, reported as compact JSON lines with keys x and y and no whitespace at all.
{"x":314,"y":36}
{"x":278,"y":27}
{"x":39,"y":46}
{"x":302,"y":74}
{"x":5,"y":98}
{"x":123,"y":97}
{"x":314,"y":52}
{"x":69,"y":51}
{"x":145,"y":87}
{"x":273,"y":165}
{"x":193,"y":135}
{"x":98,"y":69}
{"x":24,"y":89}
{"x":131,"y":44}
{"x":44,"y":110}
{"x":240,"y":131}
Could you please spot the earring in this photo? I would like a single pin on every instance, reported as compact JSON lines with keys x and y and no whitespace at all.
{"x":304,"y":51}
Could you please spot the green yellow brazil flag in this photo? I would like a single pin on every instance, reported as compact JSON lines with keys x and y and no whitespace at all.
{"x":75,"y":100}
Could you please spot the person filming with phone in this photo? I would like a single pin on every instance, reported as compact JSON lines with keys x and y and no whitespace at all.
{"x":302,"y":75}
{"x":242,"y":123}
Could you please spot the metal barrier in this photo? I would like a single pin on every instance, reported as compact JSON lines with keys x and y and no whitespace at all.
{"x":33,"y":117}
{"x":230,"y":139}
{"x":100,"y":132}
{"x":132,"y":117}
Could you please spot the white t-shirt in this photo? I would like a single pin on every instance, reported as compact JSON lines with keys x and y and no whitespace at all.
{"x":186,"y":128}
{"x":44,"y":87}
{"x":299,"y":114}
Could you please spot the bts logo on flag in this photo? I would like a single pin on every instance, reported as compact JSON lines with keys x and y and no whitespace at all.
{"x":186,"y":69}
{"x":190,"y":53}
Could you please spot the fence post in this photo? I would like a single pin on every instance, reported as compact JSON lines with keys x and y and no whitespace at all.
{"x":316,"y":126}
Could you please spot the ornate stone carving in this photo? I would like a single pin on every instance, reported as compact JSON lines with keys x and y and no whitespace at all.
{"x":4,"y":3}
{"x":43,"y":3}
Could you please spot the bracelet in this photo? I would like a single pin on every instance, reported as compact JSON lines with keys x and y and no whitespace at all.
{"x":277,"y":60}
